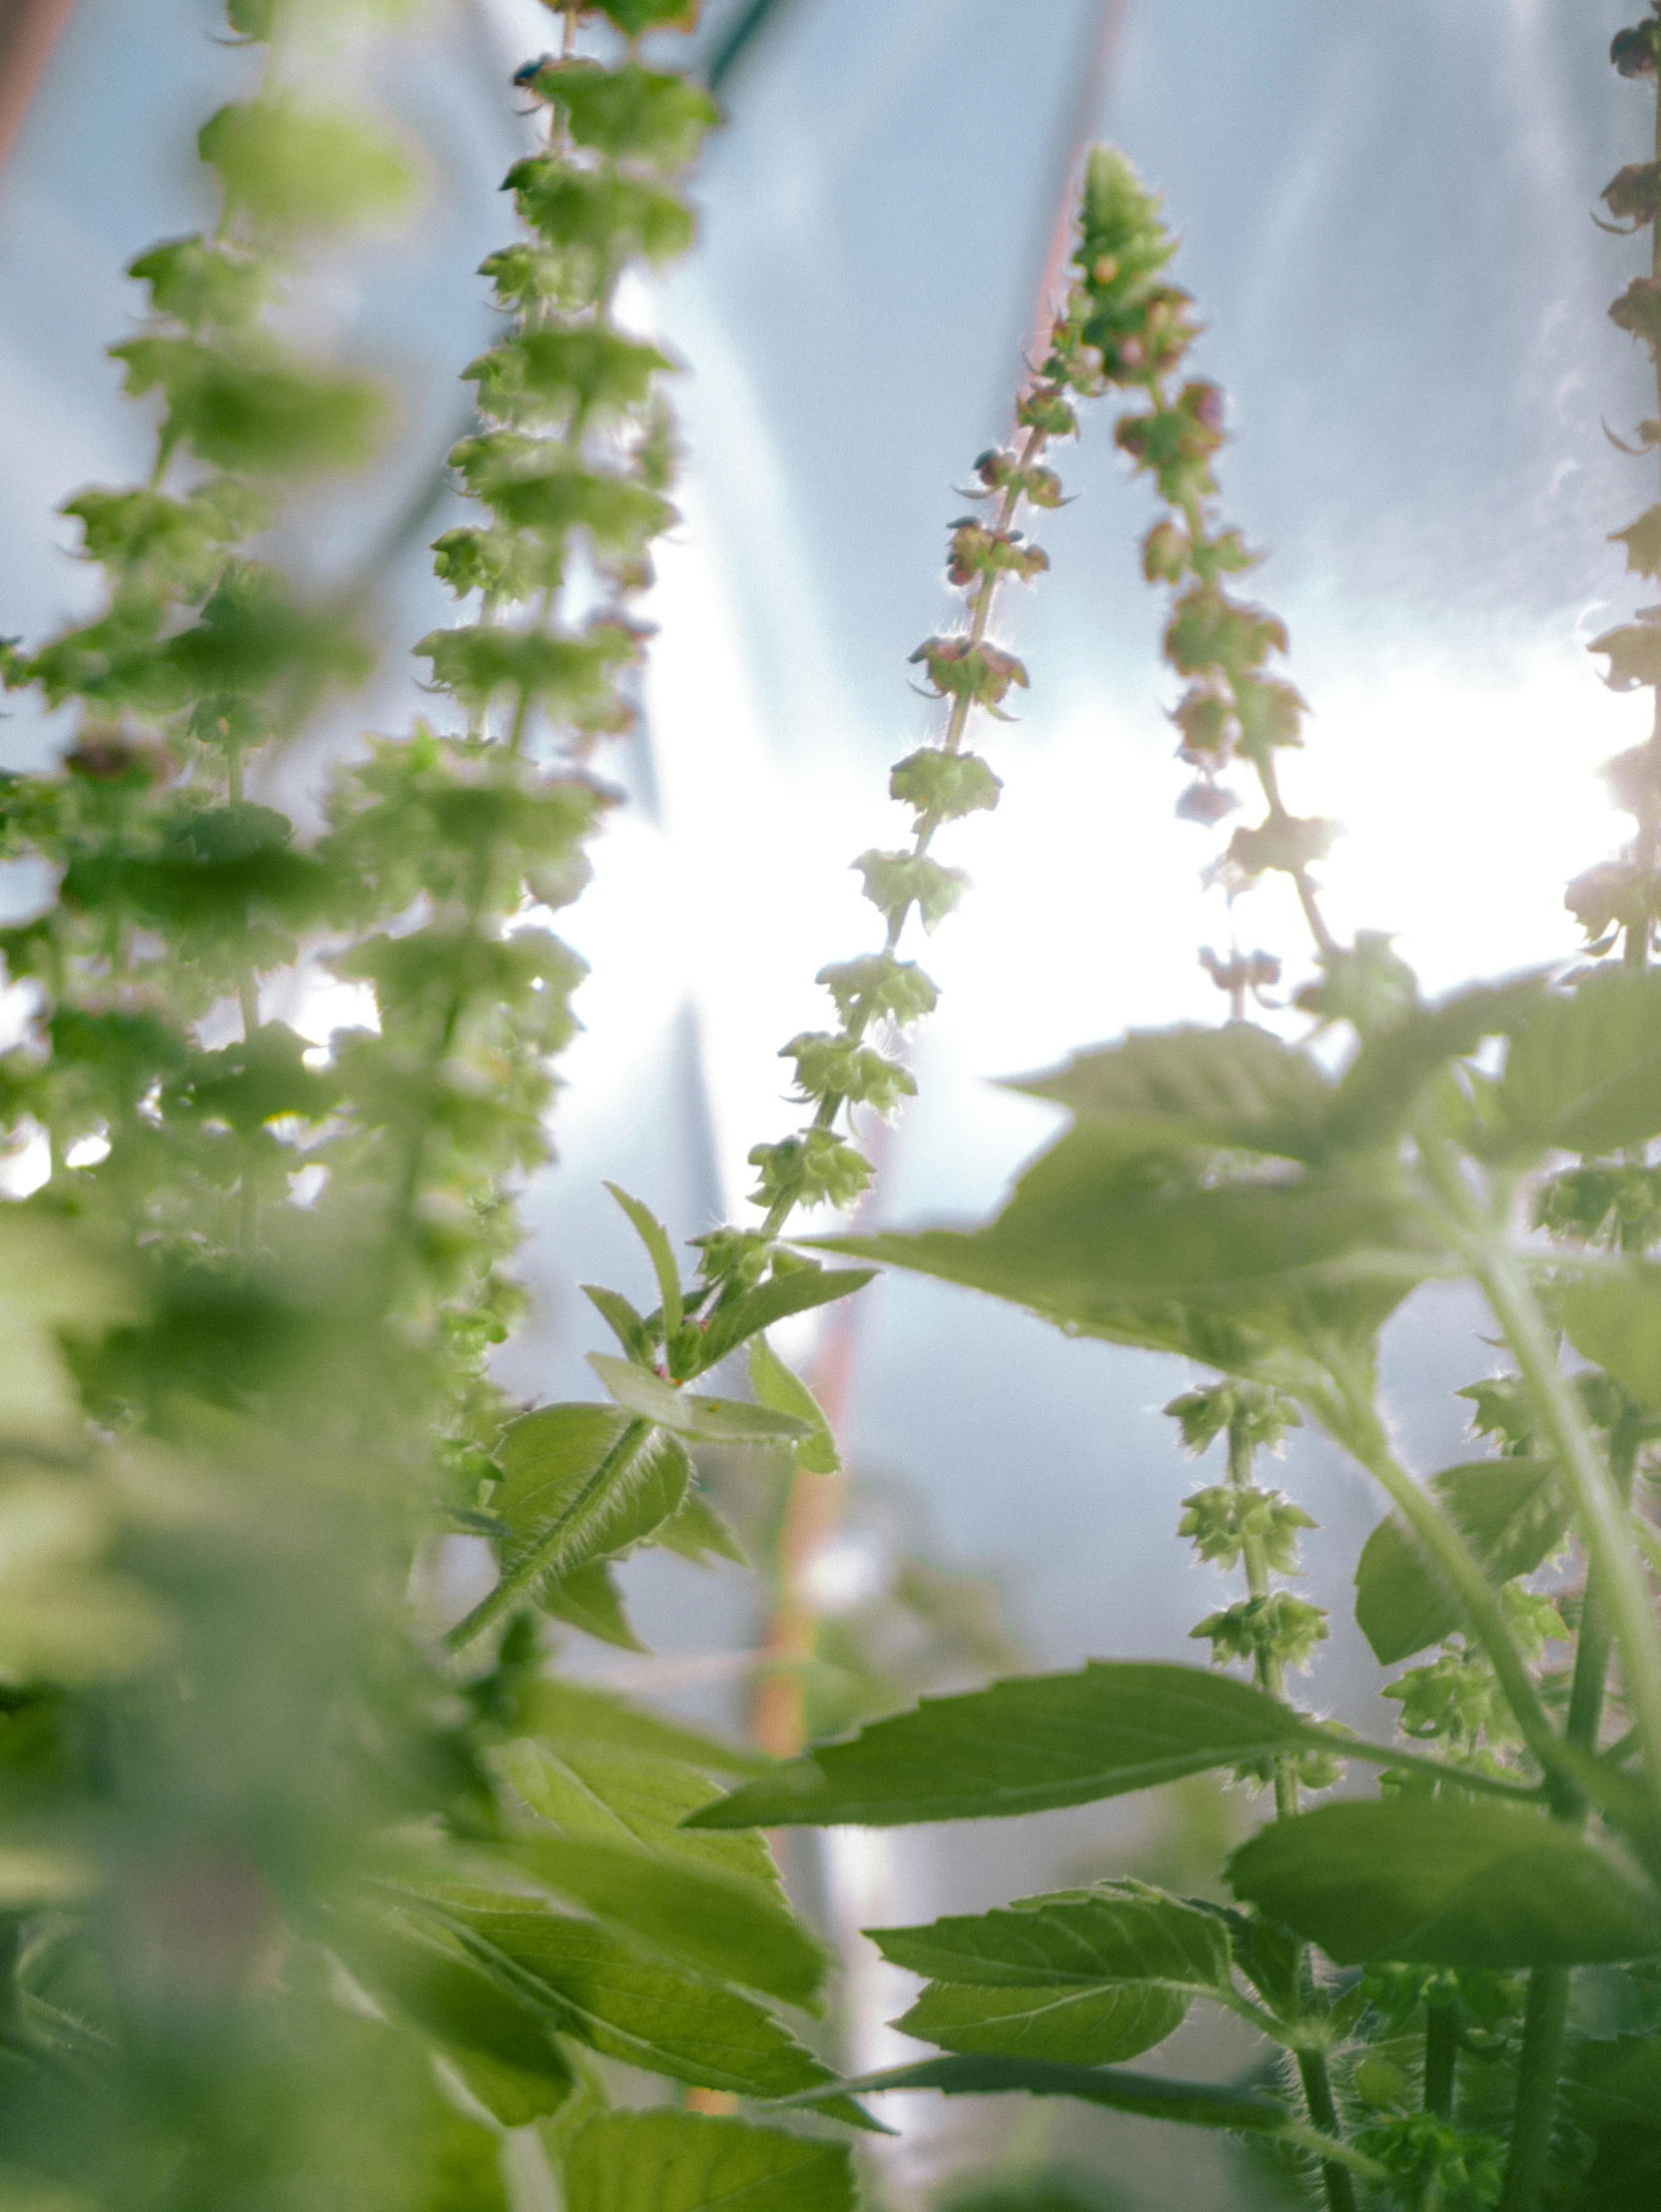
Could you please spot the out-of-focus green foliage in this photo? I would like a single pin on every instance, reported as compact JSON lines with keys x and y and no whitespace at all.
{"x":294,"y":1909}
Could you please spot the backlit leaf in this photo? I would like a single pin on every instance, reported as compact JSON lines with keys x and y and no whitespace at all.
{"x":1166,"y":1090}
{"x":1512,"y":1514}
{"x":1449,"y":1884}
{"x":689,"y":1413}
{"x":1083,"y":1976}
{"x":1583,"y":1072}
{"x":687,"y":2162}
{"x":626,"y":2001}
{"x":1022,"y":1745}
{"x":1614,"y":1320}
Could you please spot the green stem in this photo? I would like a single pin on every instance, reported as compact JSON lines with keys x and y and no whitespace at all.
{"x":1272,"y":1676}
{"x":1613,"y":1567}
{"x":1536,"y":2105}
{"x":1542,"y":2044}
{"x":1355,"y":1424}
{"x":1323,"y":2117}
{"x":523,"y":1574}
{"x":1441,"y":2056}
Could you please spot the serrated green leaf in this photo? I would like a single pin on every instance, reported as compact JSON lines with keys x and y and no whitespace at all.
{"x":628,"y":1326}
{"x":1614,"y":1320}
{"x":626,"y":2000}
{"x":786,"y":1394}
{"x":698,"y":1532}
{"x":654,"y":1236}
{"x":731,"y":1929}
{"x":1583,"y":1072}
{"x":588,"y":1599}
{"x":1263,"y":1279}
{"x":1511,"y":1512}
{"x":798,"y":1290}
{"x":687,"y":2162}
{"x":1449,"y":1884}
{"x":1151,"y":2096}
{"x":1169,"y":1090}
{"x":570,"y":1712}
{"x":1023,"y":1746}
{"x":514,"y":2063}
{"x":1617,"y":2081}
{"x":559,"y":1508}
{"x":599,"y":1793}
{"x":1082,"y":1977}
{"x":1379,"y":1090}
{"x":688,"y":1413}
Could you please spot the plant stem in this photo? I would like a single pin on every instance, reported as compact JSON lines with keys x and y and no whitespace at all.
{"x":518,"y":1578}
{"x":1542,"y":2051}
{"x":1614,"y":1572}
{"x":1542,"y":2046}
{"x":1272,"y":1676}
{"x":1323,"y":2115}
{"x":1441,"y":2054}
{"x":1355,"y":1426}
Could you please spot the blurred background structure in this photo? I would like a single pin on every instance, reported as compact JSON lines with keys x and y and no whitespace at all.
{"x":1385,"y":209}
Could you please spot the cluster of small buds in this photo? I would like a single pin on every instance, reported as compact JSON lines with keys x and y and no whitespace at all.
{"x":944,"y":782}
{"x":1618,"y":901}
{"x":1140,"y":329}
{"x":1235,"y":1524}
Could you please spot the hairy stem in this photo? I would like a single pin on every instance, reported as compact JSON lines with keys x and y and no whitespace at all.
{"x":524,"y":1573}
{"x":1616,"y":1572}
{"x":1537,"y":2068}
{"x":1355,"y":1426}
{"x":1335,"y":2183}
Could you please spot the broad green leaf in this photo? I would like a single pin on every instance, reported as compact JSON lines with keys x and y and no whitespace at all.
{"x":1448,"y":1885}
{"x":628,"y":1326}
{"x":1258,"y":1278}
{"x":570,"y":1714}
{"x":1151,"y":2096}
{"x":1023,"y":1746}
{"x":685,"y":2162}
{"x":1379,"y":1090}
{"x":504,"y":2045}
{"x":627,"y":2001}
{"x":1583,"y":1072}
{"x":1625,"y":2173}
{"x":602,"y":1792}
{"x":1614,"y":1320}
{"x":1613,"y":2090}
{"x":688,"y":1413}
{"x":1116,"y":1931}
{"x":797,"y":1291}
{"x":786,"y":1394}
{"x":588,"y":1599}
{"x":1512,"y":1514}
{"x":1083,"y":1976}
{"x":581,"y":1484}
{"x":655,"y":1237}
{"x":622,"y":1853}
{"x":699,"y":1532}
{"x":731,"y":1929}
{"x":1611,"y":2082}
{"x":1233,"y":1088}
